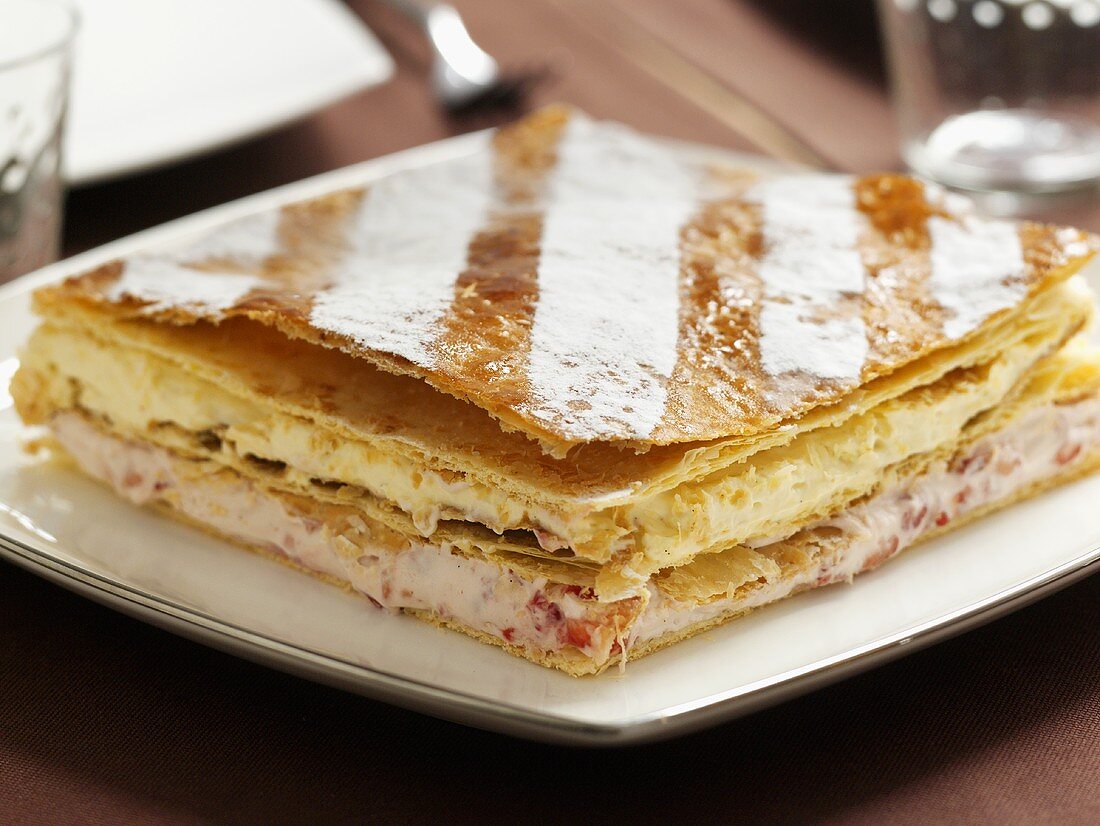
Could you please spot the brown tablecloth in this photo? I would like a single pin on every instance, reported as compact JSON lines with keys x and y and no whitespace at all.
{"x":106,"y":720}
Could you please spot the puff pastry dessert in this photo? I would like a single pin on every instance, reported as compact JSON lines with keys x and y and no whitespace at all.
{"x":576,"y":393}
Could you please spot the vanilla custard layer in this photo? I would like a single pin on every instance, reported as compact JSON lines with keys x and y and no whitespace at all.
{"x":814,"y":473}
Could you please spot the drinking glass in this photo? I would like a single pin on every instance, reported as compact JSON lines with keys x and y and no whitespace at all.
{"x":35,"y":46}
{"x":997,"y":95}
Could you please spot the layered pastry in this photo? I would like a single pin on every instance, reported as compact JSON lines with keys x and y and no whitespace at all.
{"x":577,"y":393}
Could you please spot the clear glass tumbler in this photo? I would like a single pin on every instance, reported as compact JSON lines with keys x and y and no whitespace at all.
{"x":35,"y":47}
{"x":997,"y":95}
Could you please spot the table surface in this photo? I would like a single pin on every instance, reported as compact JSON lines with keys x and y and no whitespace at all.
{"x":106,"y":720}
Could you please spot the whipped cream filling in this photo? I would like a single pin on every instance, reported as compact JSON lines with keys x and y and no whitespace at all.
{"x":479,"y":594}
{"x":550,"y":617}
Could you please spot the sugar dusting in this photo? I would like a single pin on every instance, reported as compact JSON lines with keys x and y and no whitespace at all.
{"x":603,"y":343}
{"x":409,"y":243}
{"x":247,"y":241}
{"x":976,"y":269}
{"x":165,"y":285}
{"x":165,"y":277}
{"x":811,"y":229}
{"x":822,"y":349}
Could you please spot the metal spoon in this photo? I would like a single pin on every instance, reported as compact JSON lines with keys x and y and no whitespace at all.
{"x":463,"y":75}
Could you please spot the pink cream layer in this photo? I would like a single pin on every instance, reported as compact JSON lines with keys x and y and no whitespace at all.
{"x":537,"y":614}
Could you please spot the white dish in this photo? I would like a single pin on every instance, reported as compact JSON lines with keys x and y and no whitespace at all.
{"x":161,"y":80}
{"x":76,"y":533}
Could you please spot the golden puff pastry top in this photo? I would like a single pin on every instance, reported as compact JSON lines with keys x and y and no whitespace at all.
{"x":583,"y":283}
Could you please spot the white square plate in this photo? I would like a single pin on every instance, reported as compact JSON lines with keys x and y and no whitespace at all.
{"x":74,"y":532}
{"x":160,"y":80}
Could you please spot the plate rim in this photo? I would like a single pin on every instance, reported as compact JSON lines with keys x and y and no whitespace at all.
{"x":451,"y":704}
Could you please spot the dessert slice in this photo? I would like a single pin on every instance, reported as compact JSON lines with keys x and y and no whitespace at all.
{"x":574,"y":392}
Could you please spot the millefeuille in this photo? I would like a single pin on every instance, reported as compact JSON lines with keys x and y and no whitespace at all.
{"x":575,"y":393}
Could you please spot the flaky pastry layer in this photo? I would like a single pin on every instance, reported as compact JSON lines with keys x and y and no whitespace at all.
{"x":301,"y":422}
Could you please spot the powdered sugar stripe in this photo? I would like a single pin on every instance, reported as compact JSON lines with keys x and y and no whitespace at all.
{"x":163,"y":278}
{"x":165,"y":285}
{"x":976,"y":269}
{"x":811,"y":228}
{"x":408,"y":244}
{"x":247,"y":241}
{"x":603,"y":342}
